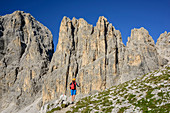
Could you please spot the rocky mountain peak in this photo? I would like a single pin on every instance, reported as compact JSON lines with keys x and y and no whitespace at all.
{"x":102,"y":23}
{"x":26,"y":47}
{"x":95,"y":55}
{"x":163,"y":45}
{"x":86,"y":52}
{"x":164,"y":36}
{"x":102,"y":19}
{"x":141,"y":36}
{"x":65,"y":20}
{"x":140,"y":56}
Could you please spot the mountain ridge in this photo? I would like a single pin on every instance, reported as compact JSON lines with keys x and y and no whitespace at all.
{"x":95,"y":55}
{"x":83,"y":48}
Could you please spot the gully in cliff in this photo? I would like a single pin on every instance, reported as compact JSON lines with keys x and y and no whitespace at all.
{"x":73,"y":85}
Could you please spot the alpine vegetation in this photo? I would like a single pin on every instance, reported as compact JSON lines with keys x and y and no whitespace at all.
{"x":33,"y":76}
{"x":149,"y":93}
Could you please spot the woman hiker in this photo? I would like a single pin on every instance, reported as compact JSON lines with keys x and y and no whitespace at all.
{"x":73,"y":85}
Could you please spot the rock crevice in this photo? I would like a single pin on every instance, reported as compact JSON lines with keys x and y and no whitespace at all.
{"x":25,"y":49}
{"x":95,"y":55}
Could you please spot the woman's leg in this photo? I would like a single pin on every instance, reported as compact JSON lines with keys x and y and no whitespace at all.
{"x":72,"y":95}
{"x":73,"y":98}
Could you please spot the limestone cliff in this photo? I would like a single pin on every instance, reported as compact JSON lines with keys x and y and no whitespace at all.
{"x":163,"y":45}
{"x":140,"y":56}
{"x":95,"y":55}
{"x":26,"y":47}
{"x":91,"y":54}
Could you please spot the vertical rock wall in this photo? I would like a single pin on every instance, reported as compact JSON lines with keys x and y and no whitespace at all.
{"x":91,"y":54}
{"x":163,"y":45}
{"x":95,"y":55}
{"x":26,"y":47}
{"x":140,"y":56}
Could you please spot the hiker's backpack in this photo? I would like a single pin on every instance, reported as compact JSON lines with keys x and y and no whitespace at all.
{"x":73,"y":85}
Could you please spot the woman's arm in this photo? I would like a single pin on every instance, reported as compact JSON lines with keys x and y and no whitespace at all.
{"x":78,"y":85}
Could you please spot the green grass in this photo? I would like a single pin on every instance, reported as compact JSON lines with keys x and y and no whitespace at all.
{"x":96,"y":107}
{"x":86,"y":110}
{"x":131,"y":98}
{"x":149,"y":95}
{"x":160,"y":94}
{"x":108,"y":109}
{"x":48,"y":107}
{"x":68,"y":111}
{"x":121,"y":110}
{"x":64,"y":105}
{"x":54,"y":109}
{"x":147,"y":103}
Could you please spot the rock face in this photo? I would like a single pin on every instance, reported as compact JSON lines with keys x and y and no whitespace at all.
{"x":128,"y":97}
{"x":140,"y":56}
{"x":97,"y":57}
{"x":26,"y":47}
{"x":91,"y":54}
{"x":163,"y":45}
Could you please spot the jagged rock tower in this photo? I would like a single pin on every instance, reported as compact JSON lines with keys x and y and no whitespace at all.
{"x":91,"y":54}
{"x":163,"y":45}
{"x":95,"y":55}
{"x":26,"y":47}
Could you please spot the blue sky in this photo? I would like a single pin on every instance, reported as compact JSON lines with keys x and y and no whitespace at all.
{"x":153,"y":15}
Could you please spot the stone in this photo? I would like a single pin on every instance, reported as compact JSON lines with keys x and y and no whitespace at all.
{"x":140,"y":56}
{"x":95,"y":55}
{"x":26,"y":48}
{"x":63,"y":97}
{"x":163,"y":45}
{"x":91,"y":54}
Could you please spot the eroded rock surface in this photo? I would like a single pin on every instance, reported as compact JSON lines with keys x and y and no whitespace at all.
{"x":163,"y":45}
{"x":26,"y":47}
{"x":140,"y":56}
{"x":91,"y":54}
{"x":95,"y":55}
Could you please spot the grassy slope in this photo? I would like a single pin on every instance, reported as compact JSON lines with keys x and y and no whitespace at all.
{"x":149,"y":93}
